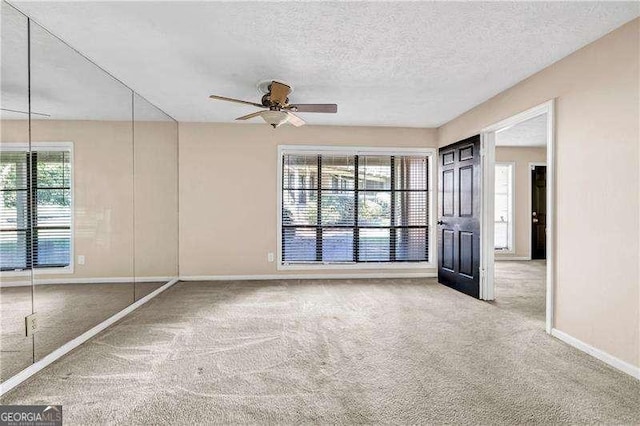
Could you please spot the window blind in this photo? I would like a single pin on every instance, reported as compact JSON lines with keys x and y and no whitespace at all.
{"x":15,"y":229}
{"x":35,"y":221}
{"x":354,"y":208}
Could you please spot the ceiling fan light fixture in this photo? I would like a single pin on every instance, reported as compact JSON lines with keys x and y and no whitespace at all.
{"x":275,"y":106}
{"x":274,"y":118}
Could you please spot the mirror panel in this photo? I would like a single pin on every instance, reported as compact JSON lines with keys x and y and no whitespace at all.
{"x":156,"y":197}
{"x":82,"y":155}
{"x":16,"y":291}
{"x":89,"y":200}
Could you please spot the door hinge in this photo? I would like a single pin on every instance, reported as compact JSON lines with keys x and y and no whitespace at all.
{"x":31,"y":324}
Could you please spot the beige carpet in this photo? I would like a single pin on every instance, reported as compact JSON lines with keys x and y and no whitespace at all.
{"x":349,"y":351}
{"x":64,"y":312}
{"x":520,"y":288}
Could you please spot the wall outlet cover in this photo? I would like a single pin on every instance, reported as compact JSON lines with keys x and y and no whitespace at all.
{"x":31,"y":324}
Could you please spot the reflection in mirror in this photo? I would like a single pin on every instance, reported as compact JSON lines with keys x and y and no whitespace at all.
{"x":82,"y":174}
{"x":156,"y":197}
{"x":16,"y":292}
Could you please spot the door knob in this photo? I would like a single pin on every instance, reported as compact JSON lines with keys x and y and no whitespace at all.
{"x":440,"y":222}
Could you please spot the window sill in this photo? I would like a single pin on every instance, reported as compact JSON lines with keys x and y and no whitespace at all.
{"x":355,"y":266}
{"x":504,"y":251}
{"x":39,"y":271}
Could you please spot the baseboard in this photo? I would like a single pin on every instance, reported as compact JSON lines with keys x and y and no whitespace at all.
{"x":97,"y":280}
{"x":23,"y":375}
{"x":308,"y":276}
{"x":603,"y":356}
{"x":497,"y":259}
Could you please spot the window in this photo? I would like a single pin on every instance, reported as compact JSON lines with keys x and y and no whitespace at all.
{"x":35,"y":197}
{"x":504,"y":207}
{"x":354,"y":207}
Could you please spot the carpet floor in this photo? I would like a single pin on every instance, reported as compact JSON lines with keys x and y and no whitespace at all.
{"x":339,"y":351}
{"x":65,"y":311}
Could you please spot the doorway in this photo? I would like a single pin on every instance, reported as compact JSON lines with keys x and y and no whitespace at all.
{"x":517,"y":245}
{"x":538,"y":188}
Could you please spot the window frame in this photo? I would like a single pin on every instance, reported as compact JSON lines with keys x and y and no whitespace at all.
{"x":430,"y":153}
{"x":511,"y":240}
{"x":49,"y":146}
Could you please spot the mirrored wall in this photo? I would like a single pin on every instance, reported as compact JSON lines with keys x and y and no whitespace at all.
{"x":88,"y":175}
{"x":16,"y":301}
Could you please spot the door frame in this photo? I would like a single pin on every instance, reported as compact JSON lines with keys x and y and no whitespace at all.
{"x":488,"y":134}
{"x":533,"y":164}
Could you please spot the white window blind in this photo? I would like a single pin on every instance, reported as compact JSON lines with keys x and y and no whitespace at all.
{"x":503,"y":239}
{"x":354,"y":208}
{"x":36,"y":208}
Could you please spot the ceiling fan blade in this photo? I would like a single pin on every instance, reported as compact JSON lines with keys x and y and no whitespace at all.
{"x":238,"y":101}
{"x":295,"y":120}
{"x":326,"y":108}
{"x":279,"y":92}
{"x":248,"y":116}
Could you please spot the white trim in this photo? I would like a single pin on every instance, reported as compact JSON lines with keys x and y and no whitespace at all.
{"x":530,"y":206}
{"x":433,"y":213}
{"x":603,"y":356}
{"x":488,"y":140}
{"x":99,"y":280}
{"x":36,"y":146}
{"x":487,"y":216}
{"x":355,"y":266}
{"x":432,"y":274}
{"x":50,"y":146}
{"x":520,"y":117}
{"x":430,"y":153}
{"x":42,"y":271}
{"x":352,"y":150}
{"x":23,"y":375}
{"x":512,"y":208}
{"x":500,"y":258}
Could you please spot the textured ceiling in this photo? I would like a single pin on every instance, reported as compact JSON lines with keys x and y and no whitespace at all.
{"x":530,"y":133}
{"x":383,"y":63}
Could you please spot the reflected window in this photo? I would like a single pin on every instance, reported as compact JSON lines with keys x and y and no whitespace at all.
{"x":503,"y":226}
{"x":354,"y":208}
{"x":36,"y":189}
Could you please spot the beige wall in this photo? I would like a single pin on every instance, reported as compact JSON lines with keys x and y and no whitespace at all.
{"x":521,"y":157}
{"x":228,"y":190}
{"x":156,"y":198}
{"x":104,"y":195}
{"x":597,"y":201}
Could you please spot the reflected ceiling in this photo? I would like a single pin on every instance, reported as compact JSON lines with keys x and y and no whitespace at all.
{"x":64,"y":84}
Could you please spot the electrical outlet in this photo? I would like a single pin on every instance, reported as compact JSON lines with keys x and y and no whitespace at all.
{"x":81,"y":259}
{"x":31,"y":324}
{"x":270,"y":257}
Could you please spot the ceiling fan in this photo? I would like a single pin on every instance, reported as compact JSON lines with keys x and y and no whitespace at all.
{"x":277,"y":109}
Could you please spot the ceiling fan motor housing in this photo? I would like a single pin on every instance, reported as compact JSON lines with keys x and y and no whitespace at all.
{"x":268,"y":103}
